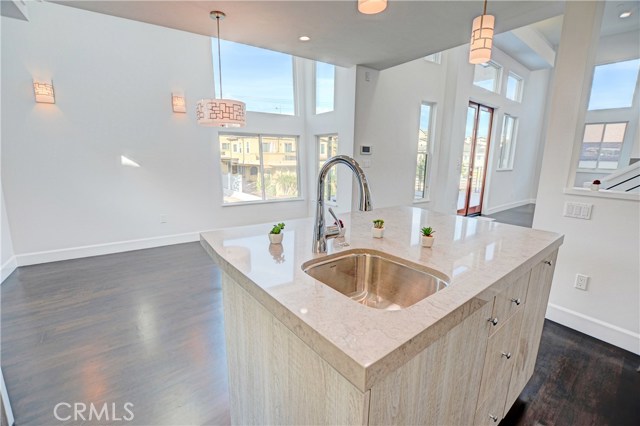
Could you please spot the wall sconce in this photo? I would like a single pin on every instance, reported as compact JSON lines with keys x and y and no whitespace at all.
{"x":178,"y":103}
{"x":44,"y":92}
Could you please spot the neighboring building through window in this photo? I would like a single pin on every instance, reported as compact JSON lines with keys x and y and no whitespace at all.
{"x":601,"y":145}
{"x":488,"y":76}
{"x":514,"y":87}
{"x":261,"y":78}
{"x":421,"y":184}
{"x":507,"y":142}
{"x":325,"y":87}
{"x":268,"y":170}
{"x":327,"y":148}
{"x":614,"y":85}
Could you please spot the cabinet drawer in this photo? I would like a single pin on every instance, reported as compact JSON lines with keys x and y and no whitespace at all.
{"x":510,"y":300}
{"x":496,"y":374}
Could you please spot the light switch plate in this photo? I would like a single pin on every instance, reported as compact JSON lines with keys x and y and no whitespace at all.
{"x":578,"y":210}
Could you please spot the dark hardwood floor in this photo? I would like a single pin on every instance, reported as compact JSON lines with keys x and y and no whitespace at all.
{"x":146,"y":327}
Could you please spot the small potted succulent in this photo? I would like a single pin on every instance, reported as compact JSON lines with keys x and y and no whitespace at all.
{"x":595,"y":185}
{"x":426,"y":239}
{"x":275,"y":236}
{"x":378,"y":228}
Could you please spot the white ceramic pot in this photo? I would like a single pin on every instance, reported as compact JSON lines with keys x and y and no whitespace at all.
{"x":276,"y":238}
{"x":595,"y":187}
{"x":377,"y":232}
{"x":426,"y":241}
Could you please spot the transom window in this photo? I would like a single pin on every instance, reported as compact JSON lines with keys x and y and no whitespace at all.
{"x":266,"y":170}
{"x":421,"y":184}
{"x":488,"y":76}
{"x":261,"y":78}
{"x":325,"y":87}
{"x":614,"y":85}
{"x":327,"y":148}
{"x":507,"y":142}
{"x":601,"y":145}
{"x":514,"y":87}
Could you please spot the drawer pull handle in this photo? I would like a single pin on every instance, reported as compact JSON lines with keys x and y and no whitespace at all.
{"x":506,"y":355}
{"x":516,"y":301}
{"x":548,"y":262}
{"x":493,"y":321}
{"x":494,"y":418}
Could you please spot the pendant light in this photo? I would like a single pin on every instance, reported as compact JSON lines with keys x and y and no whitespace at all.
{"x":220,"y":112}
{"x":371,"y":7}
{"x":481,"y":38}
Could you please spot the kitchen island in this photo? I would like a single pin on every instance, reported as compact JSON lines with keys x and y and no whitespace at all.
{"x":299,"y":352}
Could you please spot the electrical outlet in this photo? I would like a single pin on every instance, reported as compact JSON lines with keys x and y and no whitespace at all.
{"x":581,"y":282}
{"x":163,"y":218}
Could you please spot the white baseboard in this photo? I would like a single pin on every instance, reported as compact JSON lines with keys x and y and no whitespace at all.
{"x":100,"y":249}
{"x":8,"y":268}
{"x":508,"y":206}
{"x":593,"y":327}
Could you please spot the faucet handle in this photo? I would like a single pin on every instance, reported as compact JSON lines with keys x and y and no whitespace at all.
{"x":338,"y":221}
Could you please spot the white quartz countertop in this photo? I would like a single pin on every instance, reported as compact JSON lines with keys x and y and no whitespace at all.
{"x":365,"y":344}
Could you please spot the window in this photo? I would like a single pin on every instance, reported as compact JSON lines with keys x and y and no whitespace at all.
{"x":325,"y":87}
{"x":507,"y":142}
{"x":327,"y":148}
{"x":601,"y":145}
{"x":266,"y":171}
{"x":488,"y":76}
{"x":261,"y":78}
{"x":436,"y":58}
{"x":514,"y":87}
{"x":614,"y":85}
{"x":422,"y":164}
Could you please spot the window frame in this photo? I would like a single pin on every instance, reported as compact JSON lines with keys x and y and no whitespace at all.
{"x":633,"y":97}
{"x":498,"y":79}
{"x":315,"y":88}
{"x":624,"y":141}
{"x":512,"y":145}
{"x":519,"y":89}
{"x":332,"y":203}
{"x":264,"y":200}
{"x":426,"y":193}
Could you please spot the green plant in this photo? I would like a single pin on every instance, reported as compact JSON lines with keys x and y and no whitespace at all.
{"x":277,"y":228}
{"x":378,"y":223}
{"x":427,"y":231}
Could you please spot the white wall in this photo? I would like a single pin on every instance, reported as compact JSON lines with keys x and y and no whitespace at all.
{"x":606,"y":247}
{"x":66,"y":193}
{"x":387,"y":116}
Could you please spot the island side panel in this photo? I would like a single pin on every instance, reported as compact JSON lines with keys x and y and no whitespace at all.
{"x":274,"y":377}
{"x":532,"y":324}
{"x":440,"y":385}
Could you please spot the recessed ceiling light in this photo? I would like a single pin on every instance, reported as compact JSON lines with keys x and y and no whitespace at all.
{"x":625,"y":14}
{"x":304,"y":38}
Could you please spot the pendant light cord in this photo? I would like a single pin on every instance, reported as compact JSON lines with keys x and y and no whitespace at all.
{"x":484,"y":12}
{"x":220,"y":57}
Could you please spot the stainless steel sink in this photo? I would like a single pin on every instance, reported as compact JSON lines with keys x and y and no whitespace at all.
{"x":376,"y":279}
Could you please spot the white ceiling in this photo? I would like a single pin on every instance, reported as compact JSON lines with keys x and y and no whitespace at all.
{"x":341,"y":35}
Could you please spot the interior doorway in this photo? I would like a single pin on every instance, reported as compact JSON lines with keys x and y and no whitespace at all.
{"x":475,"y":154}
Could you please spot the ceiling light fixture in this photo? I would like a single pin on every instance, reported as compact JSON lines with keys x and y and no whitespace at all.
{"x":625,"y":14}
{"x":481,"y":37}
{"x":43,"y":92}
{"x":220,"y":112}
{"x":304,"y":38}
{"x":371,"y":7}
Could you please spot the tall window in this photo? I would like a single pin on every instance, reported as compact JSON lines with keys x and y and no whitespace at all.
{"x":327,"y":148}
{"x":488,"y":76}
{"x":614,"y":85}
{"x":422,"y":164}
{"x":325,"y":87}
{"x":268,"y":170}
{"x":514,"y":87}
{"x":507,"y":142}
{"x":261,"y":78}
{"x":601,"y":145}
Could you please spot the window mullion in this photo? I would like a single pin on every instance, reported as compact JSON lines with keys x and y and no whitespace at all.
{"x":262,"y":177}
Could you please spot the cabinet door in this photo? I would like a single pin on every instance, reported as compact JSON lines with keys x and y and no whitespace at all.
{"x":531,"y":329}
{"x":510,"y":300}
{"x":496,"y":373}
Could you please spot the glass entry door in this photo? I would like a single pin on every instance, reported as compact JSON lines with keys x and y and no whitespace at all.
{"x":474,"y":159}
